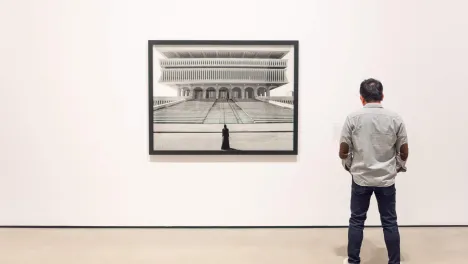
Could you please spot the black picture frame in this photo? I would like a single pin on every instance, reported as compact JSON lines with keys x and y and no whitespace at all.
{"x":294,"y":43}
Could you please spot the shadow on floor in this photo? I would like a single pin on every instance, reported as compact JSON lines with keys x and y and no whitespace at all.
{"x":232,"y":149}
{"x":370,"y":253}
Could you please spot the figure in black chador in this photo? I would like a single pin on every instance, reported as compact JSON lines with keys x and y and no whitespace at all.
{"x":225,"y":145}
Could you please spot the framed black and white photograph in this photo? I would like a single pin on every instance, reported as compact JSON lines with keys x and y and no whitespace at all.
{"x":223,"y":97}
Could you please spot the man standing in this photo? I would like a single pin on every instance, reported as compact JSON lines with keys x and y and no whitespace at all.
{"x":373,"y":148}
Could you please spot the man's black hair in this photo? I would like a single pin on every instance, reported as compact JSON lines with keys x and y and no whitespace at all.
{"x":371,"y":90}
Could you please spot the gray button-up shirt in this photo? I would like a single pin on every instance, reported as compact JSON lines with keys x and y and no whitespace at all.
{"x":374,"y":136}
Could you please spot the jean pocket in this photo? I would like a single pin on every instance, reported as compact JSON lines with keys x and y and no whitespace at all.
{"x":357,"y":189}
{"x":388,"y":191}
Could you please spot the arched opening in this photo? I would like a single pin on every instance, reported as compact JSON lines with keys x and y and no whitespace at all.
{"x":223,"y":93}
{"x":236,"y":93}
{"x":261,"y":91}
{"x":210,"y":93}
{"x":185,"y":91}
{"x":249,"y":93}
{"x":198,"y":93}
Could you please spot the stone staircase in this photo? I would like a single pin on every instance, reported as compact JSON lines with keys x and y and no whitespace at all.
{"x":211,"y":111}
{"x":263,"y":112}
{"x":189,"y":112}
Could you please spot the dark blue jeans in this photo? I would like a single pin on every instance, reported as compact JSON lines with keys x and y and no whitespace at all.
{"x":360,"y":199}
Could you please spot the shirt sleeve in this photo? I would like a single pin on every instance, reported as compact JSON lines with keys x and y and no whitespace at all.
{"x":346,"y":137}
{"x":402,"y":138}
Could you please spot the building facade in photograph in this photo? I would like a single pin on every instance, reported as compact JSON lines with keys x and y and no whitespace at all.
{"x":223,"y":87}
{"x":219,"y":74}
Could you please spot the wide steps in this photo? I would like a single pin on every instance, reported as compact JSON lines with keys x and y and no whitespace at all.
{"x":189,"y":112}
{"x":274,"y":120}
{"x":179,"y":121}
{"x":223,"y":111}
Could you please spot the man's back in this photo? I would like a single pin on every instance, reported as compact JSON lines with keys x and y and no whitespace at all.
{"x":375,"y":136}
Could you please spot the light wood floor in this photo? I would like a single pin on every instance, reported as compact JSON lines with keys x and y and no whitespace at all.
{"x":223,"y":246}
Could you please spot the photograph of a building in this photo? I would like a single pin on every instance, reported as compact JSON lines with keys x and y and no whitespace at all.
{"x":223,"y":98}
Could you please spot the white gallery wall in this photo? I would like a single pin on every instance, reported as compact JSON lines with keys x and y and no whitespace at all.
{"x":74,"y":124}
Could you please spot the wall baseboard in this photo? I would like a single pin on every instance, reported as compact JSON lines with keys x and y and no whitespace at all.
{"x":216,"y":227}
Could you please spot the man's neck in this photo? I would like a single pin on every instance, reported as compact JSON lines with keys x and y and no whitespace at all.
{"x":379,"y":102}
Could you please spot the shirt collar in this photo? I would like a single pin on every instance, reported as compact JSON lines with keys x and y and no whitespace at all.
{"x":373,"y":105}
